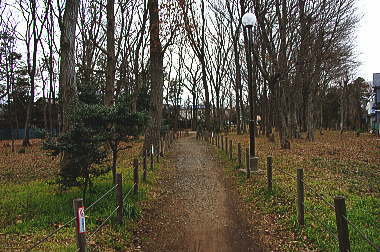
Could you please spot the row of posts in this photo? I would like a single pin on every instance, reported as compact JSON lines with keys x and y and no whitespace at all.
{"x":165,"y":143}
{"x":339,"y":201}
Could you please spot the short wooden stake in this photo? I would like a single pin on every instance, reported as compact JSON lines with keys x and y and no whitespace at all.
{"x":119,"y":198}
{"x":151,"y":160}
{"x":80,"y":227}
{"x":255,"y":164}
{"x":226,"y":145}
{"x":145,"y":166}
{"x":342,"y":224}
{"x":300,"y":197}
{"x":158,"y":153}
{"x":247,"y":162}
{"x":239,"y":154}
{"x":136,"y":176}
{"x":230,"y":149}
{"x":222,"y":137}
{"x":269,"y":172}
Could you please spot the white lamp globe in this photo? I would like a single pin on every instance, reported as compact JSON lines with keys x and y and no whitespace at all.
{"x":249,"y":19}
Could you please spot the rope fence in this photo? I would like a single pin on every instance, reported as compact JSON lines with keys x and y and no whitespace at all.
{"x":339,"y":206}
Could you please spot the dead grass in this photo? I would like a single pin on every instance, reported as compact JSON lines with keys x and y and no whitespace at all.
{"x":333,"y":165}
{"x":35,"y":164}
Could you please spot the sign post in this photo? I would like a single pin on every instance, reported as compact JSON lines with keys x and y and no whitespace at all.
{"x":80,"y":224}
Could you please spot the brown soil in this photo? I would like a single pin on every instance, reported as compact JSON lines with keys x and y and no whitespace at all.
{"x":196,"y":208}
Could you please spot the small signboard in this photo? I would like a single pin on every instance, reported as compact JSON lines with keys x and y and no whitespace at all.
{"x":81,"y":221}
{"x":376,"y":79}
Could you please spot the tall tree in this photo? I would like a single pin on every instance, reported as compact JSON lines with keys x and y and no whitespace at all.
{"x":156,"y":75}
{"x":67,"y":75}
{"x":197,"y":36}
{"x":33,"y":32}
{"x":111,"y":59}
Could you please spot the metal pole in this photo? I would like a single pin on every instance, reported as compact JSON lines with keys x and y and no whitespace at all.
{"x":250,"y":94}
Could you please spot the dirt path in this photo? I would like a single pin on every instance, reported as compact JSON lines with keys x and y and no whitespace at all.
{"x":196,"y":210}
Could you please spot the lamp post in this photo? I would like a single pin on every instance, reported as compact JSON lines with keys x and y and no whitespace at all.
{"x":249,"y":20}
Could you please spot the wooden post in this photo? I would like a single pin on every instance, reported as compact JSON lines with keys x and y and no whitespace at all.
{"x":239,"y":154}
{"x":162,"y":147}
{"x":247,"y":162}
{"x":255,"y":163}
{"x":300,"y":197}
{"x":269,"y":172}
{"x":341,"y":223}
{"x":222,"y":142}
{"x":226,"y":145}
{"x":136,"y":176}
{"x":158,"y":153}
{"x":230,"y":149}
{"x":151,"y":160}
{"x":119,"y":198}
{"x":145,"y":168}
{"x":80,"y":224}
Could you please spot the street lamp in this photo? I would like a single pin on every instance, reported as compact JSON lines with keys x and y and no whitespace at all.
{"x":249,"y":20}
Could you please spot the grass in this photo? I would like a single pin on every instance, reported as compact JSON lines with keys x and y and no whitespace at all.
{"x":333,"y":165}
{"x":33,"y":208}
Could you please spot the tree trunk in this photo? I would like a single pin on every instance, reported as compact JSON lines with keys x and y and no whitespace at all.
{"x":156,"y":73}
{"x":111,"y":61}
{"x":194,"y":114}
{"x":67,"y":76}
{"x":310,"y":118}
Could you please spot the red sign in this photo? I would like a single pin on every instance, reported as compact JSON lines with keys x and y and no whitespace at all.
{"x":81,"y":221}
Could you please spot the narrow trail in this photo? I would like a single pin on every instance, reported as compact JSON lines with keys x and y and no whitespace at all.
{"x":196,"y":210}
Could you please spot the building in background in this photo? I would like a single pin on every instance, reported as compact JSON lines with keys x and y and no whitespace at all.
{"x":374,"y":105}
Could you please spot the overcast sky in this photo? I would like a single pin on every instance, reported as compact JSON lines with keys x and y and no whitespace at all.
{"x":369,"y":38}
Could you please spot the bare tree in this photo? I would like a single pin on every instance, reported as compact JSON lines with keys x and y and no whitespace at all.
{"x":33,"y":32}
{"x":67,"y":74}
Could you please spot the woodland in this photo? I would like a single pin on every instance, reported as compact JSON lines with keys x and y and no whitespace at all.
{"x":175,"y":56}
{"x":86,"y":86}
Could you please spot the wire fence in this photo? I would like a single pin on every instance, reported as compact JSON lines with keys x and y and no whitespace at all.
{"x":36,"y":244}
{"x":45,"y":238}
{"x":165,"y":142}
{"x":112,"y":213}
{"x":332,"y":207}
{"x":220,"y":142}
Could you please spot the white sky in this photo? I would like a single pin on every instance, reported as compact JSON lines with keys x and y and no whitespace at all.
{"x":368,"y":38}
